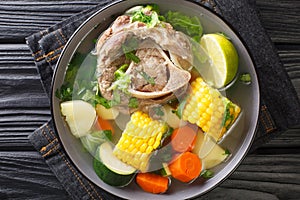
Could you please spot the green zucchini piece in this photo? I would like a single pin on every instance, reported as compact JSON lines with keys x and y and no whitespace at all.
{"x":110,"y":169}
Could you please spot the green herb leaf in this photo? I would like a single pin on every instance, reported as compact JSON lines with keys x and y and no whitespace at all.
{"x":64,"y":93}
{"x":148,"y":14}
{"x":148,"y":78}
{"x":116,"y":98}
{"x":73,"y":67}
{"x":245,"y":78}
{"x":151,"y":7}
{"x":101,"y":100}
{"x":88,"y":95}
{"x":226,"y":152}
{"x":132,"y":56}
{"x":207,"y":174}
{"x":188,"y":25}
{"x":108,"y":134}
{"x":121,"y":71}
{"x":140,"y":16}
{"x":133,"y":102}
{"x":158,"y":111}
{"x":154,"y":20}
{"x":227,"y":115}
{"x":121,"y":84}
{"x":180,"y":108}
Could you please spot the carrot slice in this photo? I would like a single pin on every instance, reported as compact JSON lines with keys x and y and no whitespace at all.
{"x":186,"y":167}
{"x":152,"y":183}
{"x":183,"y":139}
{"x":103,"y":124}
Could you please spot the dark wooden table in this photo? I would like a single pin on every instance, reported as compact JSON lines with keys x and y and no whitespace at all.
{"x":271,"y":172}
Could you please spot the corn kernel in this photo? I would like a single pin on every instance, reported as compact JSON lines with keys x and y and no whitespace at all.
{"x":131,"y":147}
{"x":143,"y":147}
{"x":134,"y":151}
{"x":156,"y":144}
{"x":143,"y":156}
{"x":143,"y":166}
{"x":151,"y":141}
{"x":149,"y":149}
{"x":142,"y":134}
{"x":206,"y":106}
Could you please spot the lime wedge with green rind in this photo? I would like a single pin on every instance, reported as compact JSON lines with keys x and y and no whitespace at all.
{"x":224,"y":60}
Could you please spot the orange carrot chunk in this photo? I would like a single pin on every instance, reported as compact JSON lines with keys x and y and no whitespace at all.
{"x":152,"y":183}
{"x":186,"y":167}
{"x":103,"y":125}
{"x":183,"y":139}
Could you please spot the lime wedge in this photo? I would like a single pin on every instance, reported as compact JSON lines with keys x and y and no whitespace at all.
{"x":223,"y":60}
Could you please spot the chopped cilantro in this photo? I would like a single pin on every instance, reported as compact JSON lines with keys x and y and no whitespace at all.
{"x":188,"y":25}
{"x":227,"y":115}
{"x":121,"y":84}
{"x":104,"y":102}
{"x":120,"y":72}
{"x":152,"y":7}
{"x":108,"y":134}
{"x":245,"y":78}
{"x":148,"y":78}
{"x":148,"y":14}
{"x":116,"y":98}
{"x":64,"y":93}
{"x":207,"y":174}
{"x":180,"y":108}
{"x":140,"y":16}
{"x":226,"y":152}
{"x":133,"y":102}
{"x":157,"y":110}
{"x":132,"y":56}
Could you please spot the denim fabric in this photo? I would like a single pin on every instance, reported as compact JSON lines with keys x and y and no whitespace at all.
{"x":278,"y":97}
{"x":46,"y":141}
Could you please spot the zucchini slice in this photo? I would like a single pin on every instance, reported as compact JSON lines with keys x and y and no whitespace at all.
{"x":110,"y":169}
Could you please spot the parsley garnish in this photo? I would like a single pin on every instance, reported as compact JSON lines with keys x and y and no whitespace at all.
{"x":151,"y":19}
{"x":148,"y":78}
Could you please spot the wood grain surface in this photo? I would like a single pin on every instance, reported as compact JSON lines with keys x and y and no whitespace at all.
{"x":271,"y":172}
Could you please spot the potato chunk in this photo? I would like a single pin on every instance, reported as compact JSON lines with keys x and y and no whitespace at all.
{"x":79,"y":115}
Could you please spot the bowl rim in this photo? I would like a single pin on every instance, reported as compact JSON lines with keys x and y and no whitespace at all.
{"x":249,"y":138}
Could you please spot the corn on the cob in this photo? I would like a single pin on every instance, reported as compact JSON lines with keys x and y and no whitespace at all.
{"x":141,"y":136}
{"x":211,"y":111}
